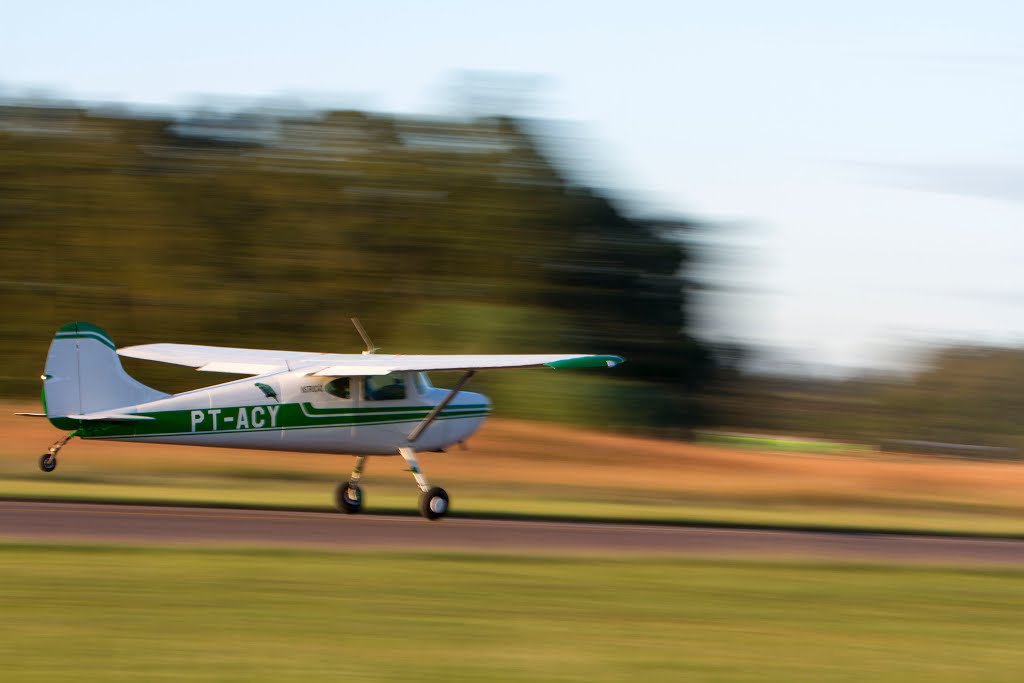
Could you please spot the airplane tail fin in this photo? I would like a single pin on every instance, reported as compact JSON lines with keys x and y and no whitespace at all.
{"x":84,"y":374}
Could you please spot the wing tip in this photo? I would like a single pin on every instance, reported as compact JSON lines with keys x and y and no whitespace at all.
{"x":604,"y":361}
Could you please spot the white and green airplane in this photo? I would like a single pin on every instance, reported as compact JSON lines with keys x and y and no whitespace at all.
{"x":355,"y":404}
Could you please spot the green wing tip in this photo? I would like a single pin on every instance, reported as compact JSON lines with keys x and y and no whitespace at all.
{"x":586,"y":362}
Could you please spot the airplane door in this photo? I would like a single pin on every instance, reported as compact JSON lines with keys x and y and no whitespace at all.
{"x":326,"y":410}
{"x":390,"y":406}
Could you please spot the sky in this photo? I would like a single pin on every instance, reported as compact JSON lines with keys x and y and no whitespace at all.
{"x":858,"y":167}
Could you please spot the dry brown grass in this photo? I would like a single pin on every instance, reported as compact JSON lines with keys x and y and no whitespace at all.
{"x":554,"y":458}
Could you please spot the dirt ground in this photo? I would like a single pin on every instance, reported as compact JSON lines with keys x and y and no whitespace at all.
{"x":508,"y":452}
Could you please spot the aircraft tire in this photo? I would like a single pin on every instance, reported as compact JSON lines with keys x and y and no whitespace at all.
{"x":48,"y":462}
{"x":349,"y":498}
{"x":434,"y":503}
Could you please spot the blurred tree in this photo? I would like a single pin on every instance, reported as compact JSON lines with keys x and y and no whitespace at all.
{"x":270,"y":231}
{"x":966,"y":395}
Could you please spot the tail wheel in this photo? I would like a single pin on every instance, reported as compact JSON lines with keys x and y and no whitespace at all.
{"x":434,"y":503}
{"x":48,"y":462}
{"x":349,"y":498}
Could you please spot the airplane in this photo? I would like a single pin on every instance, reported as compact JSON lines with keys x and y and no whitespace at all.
{"x":366,"y":404}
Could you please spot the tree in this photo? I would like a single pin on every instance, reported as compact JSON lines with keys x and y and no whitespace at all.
{"x":444,"y":236}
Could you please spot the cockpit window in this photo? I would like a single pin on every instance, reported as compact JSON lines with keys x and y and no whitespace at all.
{"x":386,"y":387}
{"x":339,"y":387}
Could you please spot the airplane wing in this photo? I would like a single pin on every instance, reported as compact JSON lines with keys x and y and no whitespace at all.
{"x":378,"y":364}
{"x":220,"y":358}
{"x":260,"y":361}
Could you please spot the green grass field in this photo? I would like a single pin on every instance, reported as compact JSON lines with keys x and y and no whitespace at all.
{"x":777,"y":443}
{"x":127,"y":614}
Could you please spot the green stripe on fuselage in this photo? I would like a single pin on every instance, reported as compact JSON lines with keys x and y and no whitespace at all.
{"x":310,"y":410}
{"x":263,"y":418}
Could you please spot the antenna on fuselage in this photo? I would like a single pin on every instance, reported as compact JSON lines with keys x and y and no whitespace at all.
{"x":370,"y":348}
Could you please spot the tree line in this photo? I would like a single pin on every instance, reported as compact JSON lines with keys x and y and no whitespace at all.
{"x":271,"y":230}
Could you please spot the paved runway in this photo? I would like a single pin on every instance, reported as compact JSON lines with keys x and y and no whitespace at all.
{"x":129,"y":524}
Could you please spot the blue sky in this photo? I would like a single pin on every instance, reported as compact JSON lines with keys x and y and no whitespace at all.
{"x":862,"y":161}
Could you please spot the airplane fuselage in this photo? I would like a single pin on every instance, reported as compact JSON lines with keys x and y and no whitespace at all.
{"x":294,"y":411}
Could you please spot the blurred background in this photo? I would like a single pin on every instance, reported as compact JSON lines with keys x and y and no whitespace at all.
{"x":800,"y":223}
{"x":791,"y":220}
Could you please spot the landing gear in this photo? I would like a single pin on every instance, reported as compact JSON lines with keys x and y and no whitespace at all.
{"x":349,"y":496}
{"x":48,"y":460}
{"x":433,"y":500}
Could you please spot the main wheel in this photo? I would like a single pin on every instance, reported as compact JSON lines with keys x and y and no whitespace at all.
{"x":349,"y":498}
{"x":48,"y":462}
{"x":434,"y":503}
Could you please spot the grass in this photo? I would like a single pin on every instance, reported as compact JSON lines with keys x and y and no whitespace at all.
{"x":539,"y":470}
{"x":781,"y":443}
{"x":128,"y":614}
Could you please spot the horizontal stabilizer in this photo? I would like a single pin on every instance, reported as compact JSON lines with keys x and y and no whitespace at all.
{"x":31,"y":414}
{"x":109,"y":417}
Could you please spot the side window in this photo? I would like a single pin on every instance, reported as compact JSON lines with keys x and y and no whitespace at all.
{"x":339,"y":387}
{"x":386,"y":387}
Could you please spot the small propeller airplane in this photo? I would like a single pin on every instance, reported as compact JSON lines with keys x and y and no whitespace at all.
{"x":355,"y":404}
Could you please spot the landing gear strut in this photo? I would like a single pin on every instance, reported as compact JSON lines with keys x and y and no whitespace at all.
{"x":349,"y":495}
{"x":434,"y":499}
{"x":48,"y":460}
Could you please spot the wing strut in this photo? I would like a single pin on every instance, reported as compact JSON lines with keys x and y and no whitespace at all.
{"x":432,"y":415}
